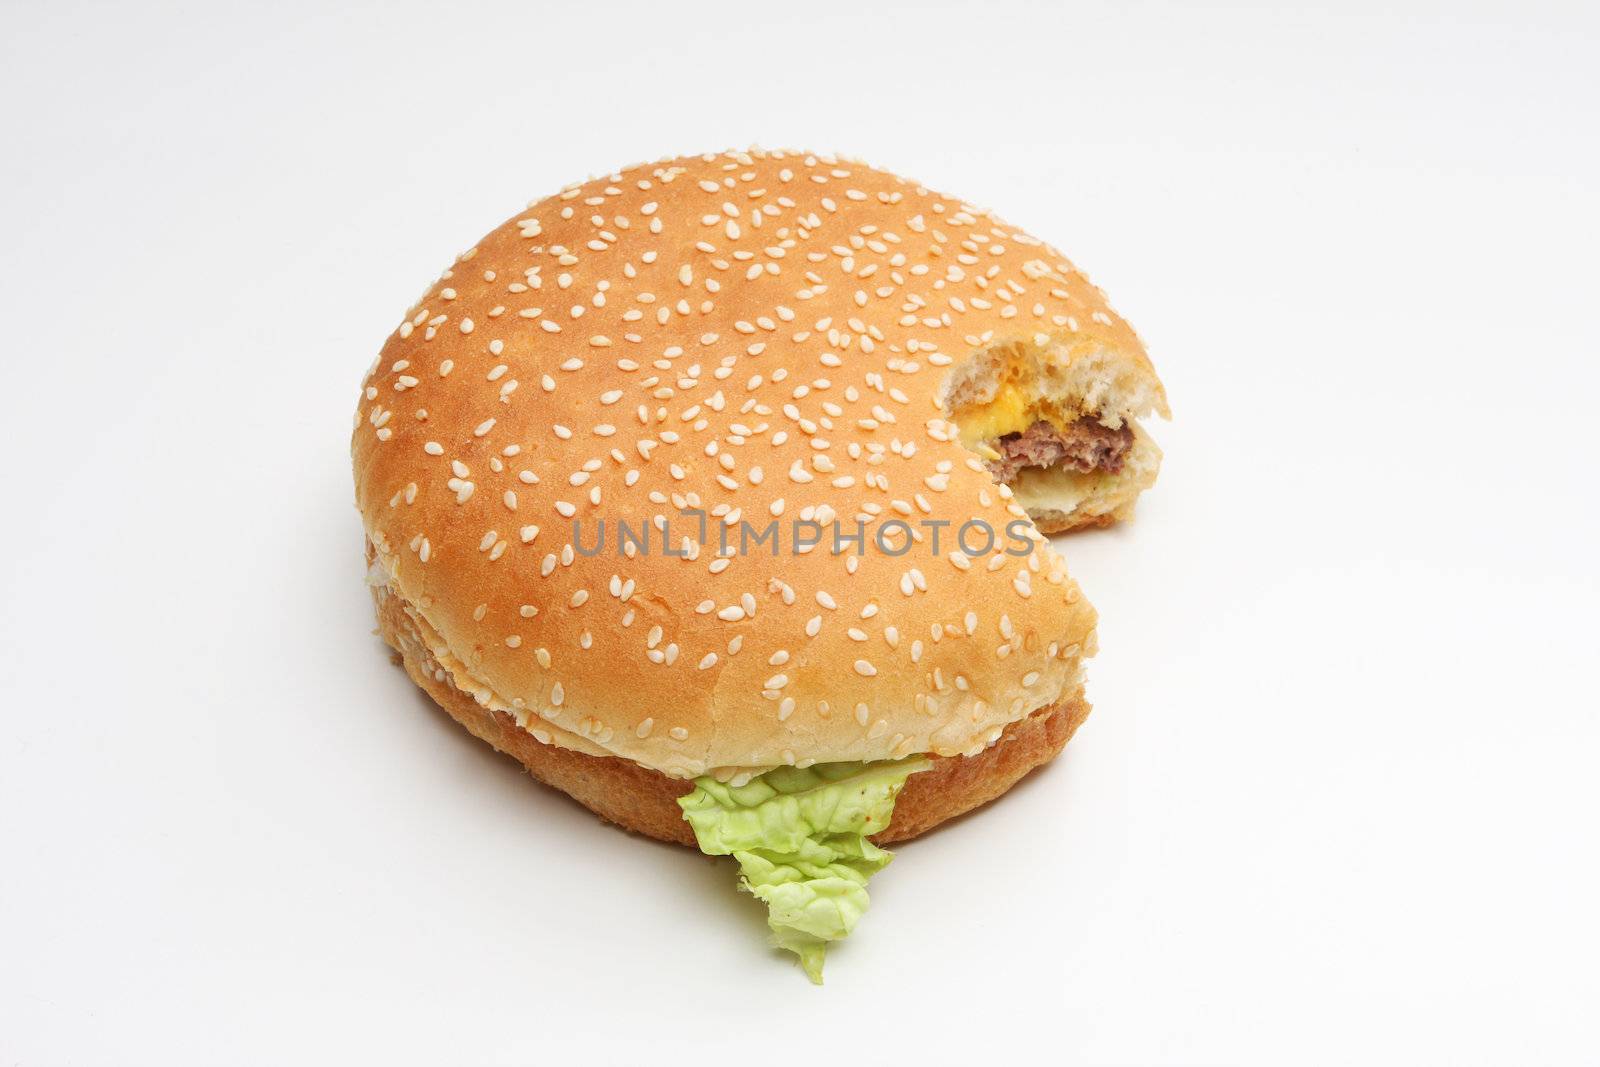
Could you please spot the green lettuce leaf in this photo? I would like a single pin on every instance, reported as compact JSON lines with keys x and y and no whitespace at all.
{"x":800,"y":837}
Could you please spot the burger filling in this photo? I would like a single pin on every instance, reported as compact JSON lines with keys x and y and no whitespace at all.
{"x":1022,"y":438}
{"x":1083,"y":445}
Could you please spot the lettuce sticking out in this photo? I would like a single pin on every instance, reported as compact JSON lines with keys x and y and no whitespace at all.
{"x":800,"y":837}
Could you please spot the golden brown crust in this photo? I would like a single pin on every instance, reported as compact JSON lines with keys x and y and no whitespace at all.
{"x":1070,"y":523}
{"x":645,"y":801}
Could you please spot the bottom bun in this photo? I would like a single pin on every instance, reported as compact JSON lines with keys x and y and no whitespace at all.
{"x":1060,"y":522}
{"x":645,"y":801}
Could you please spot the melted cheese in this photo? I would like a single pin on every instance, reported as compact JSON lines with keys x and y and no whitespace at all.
{"x":1008,"y":412}
{"x":1058,"y":488}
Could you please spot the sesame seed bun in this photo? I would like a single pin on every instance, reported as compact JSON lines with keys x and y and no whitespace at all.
{"x":757,"y":336}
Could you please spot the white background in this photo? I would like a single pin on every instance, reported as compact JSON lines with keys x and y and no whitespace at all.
{"x":1336,"y":802}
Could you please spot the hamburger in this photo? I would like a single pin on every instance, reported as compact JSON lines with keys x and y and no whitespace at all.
{"x":712,"y":490}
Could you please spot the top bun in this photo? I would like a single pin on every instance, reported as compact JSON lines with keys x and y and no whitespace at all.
{"x":757,"y":336}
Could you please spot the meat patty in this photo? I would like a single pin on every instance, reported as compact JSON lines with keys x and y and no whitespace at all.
{"x":1084,"y":446}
